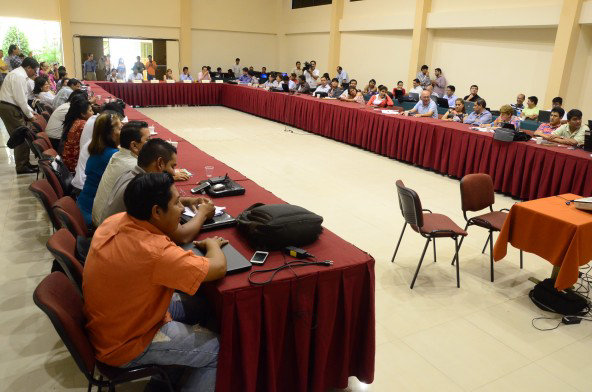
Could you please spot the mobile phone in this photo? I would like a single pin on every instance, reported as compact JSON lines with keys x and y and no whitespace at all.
{"x":200,"y":187}
{"x":259,"y":257}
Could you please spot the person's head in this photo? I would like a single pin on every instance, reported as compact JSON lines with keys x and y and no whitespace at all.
{"x":105,"y":133}
{"x":425,"y":97}
{"x":424,"y":69}
{"x":438,"y":72}
{"x":313,"y":64}
{"x":450,"y":89}
{"x":430,"y":88}
{"x":339,"y":69}
{"x":479,"y":105}
{"x":158,"y":156}
{"x":116,"y":108}
{"x":415,"y":82}
{"x":353,"y":83}
{"x":400,"y":85}
{"x":149,"y":57}
{"x":293,"y":76}
{"x":204,"y":69}
{"x":74,"y":84}
{"x":352,"y":91}
{"x":323,"y":81}
{"x":278,"y":77}
{"x":245,"y":70}
{"x":459,"y":106}
{"x":31,"y":66}
{"x":556,"y":116}
{"x":532,"y":101}
{"x":382,"y":91}
{"x":219,"y":69}
{"x":121,"y":60}
{"x":372,"y":83}
{"x":557,"y":102}
{"x":506,"y":113}
{"x":263,"y":69}
{"x":251,"y":68}
{"x":237,"y":60}
{"x":91,"y":56}
{"x":334,"y":83}
{"x":76,"y":94}
{"x":298,"y":64}
{"x":43,"y":66}
{"x":302,"y":79}
{"x":153,"y":197}
{"x":185,"y":70}
{"x":134,"y":135}
{"x":574,"y":119}
{"x":138,"y":58}
{"x":520,"y":99}
{"x":80,"y":109}
{"x":13,"y":50}
{"x":41,"y":85}
{"x":474,"y":89}
{"x":113,"y":72}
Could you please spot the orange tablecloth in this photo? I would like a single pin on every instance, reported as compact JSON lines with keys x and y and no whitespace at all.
{"x":559,"y":233}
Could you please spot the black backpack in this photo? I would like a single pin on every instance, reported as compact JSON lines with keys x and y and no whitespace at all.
{"x":275,"y":226}
{"x":546,"y":297}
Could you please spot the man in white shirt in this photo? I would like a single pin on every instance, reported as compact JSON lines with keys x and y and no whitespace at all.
{"x":342,"y":76}
{"x":133,"y":136}
{"x":450,"y":96}
{"x":135,"y":75}
{"x":55,"y":124}
{"x":15,"y":111}
{"x":323,"y":89}
{"x":65,"y":91}
{"x":312,"y":74}
{"x":236,"y":68}
{"x":298,"y":69}
{"x":416,"y":87}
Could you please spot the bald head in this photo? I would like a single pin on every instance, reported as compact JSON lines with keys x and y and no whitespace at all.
{"x":425,"y":97}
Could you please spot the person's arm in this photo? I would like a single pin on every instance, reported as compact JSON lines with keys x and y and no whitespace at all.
{"x":215,"y":256}
{"x":486,"y":118}
{"x":187,"y":232}
{"x":19,"y":95}
{"x":389,"y":101}
{"x":445,"y":116}
{"x":428,"y":114}
{"x":371,"y":101}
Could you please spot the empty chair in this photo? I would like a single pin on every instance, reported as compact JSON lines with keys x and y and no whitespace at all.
{"x":46,"y":152}
{"x":62,"y":246}
{"x":476,"y":194}
{"x":69,"y":216}
{"x":44,"y":192}
{"x":60,"y":301}
{"x":429,"y":226}
{"x":52,"y":178}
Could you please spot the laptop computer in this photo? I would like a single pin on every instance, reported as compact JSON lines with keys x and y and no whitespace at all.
{"x":235,"y":262}
{"x":217,"y":222}
{"x":442,"y":102}
{"x":545,"y":116}
{"x":414,"y":97}
{"x":398,"y":93}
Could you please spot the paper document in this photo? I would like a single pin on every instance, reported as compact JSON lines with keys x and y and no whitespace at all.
{"x":189,"y":212}
{"x":389,"y":111}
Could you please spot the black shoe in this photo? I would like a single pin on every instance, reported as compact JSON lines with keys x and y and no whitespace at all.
{"x":26,"y":170}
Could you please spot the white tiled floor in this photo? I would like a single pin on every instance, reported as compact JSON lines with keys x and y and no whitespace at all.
{"x":434,"y":337}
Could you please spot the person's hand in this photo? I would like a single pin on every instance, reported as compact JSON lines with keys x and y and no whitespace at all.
{"x":180,"y":175}
{"x":417,"y":115}
{"x":92,"y":99}
{"x":208,"y":209}
{"x":211,"y":242}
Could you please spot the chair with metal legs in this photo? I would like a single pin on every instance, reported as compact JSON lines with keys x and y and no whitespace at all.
{"x":476,"y":194}
{"x":429,"y":226}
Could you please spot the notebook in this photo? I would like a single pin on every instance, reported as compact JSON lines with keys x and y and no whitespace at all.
{"x":235,"y":262}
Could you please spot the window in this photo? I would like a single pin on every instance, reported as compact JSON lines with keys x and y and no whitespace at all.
{"x":308,"y":3}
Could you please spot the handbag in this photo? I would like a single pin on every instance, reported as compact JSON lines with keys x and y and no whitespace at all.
{"x":275,"y":226}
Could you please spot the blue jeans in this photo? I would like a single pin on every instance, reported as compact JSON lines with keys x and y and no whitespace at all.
{"x":178,"y":343}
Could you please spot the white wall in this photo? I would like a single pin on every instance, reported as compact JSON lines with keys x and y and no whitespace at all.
{"x":306,"y":47}
{"x":501,"y":62}
{"x":580,"y":84}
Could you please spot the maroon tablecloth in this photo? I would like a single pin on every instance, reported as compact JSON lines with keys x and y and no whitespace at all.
{"x":306,"y":332}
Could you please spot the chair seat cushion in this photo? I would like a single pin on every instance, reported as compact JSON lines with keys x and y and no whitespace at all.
{"x":492,"y":220}
{"x":436,"y":222}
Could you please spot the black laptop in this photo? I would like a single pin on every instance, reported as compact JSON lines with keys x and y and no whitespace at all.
{"x":398,"y":93}
{"x":442,"y":102}
{"x":545,"y":116}
{"x":235,"y":262}
{"x":217,"y":222}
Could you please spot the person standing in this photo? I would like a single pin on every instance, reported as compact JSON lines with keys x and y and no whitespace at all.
{"x":107,"y":65}
{"x":424,"y":77}
{"x":342,"y":77}
{"x":15,"y":111}
{"x":90,"y":68}
{"x":139,"y":66}
{"x":439,"y":83}
{"x":3,"y":67}
{"x":298,"y":70}
{"x":151,"y":68}
{"x":312,"y":74}
{"x":121,"y":70}
{"x":236,"y":68}
{"x":14,"y":57}
{"x":101,"y":73}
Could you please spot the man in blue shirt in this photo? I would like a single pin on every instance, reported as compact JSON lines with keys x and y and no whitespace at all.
{"x":480,"y":115}
{"x":425,"y":107}
{"x":450,"y":96}
{"x":90,"y":68}
{"x":185,"y":75}
{"x":245,"y":78}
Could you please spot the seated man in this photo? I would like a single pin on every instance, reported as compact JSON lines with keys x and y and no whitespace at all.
{"x":531,"y":111}
{"x":322,"y":89}
{"x":554,"y":122}
{"x":303,"y":86}
{"x":135,"y":75}
{"x":557,"y":102}
{"x":130,"y":276}
{"x":450,"y":96}
{"x":335,"y":91}
{"x":425,"y":107}
{"x":293,"y":83}
{"x":480,"y":115}
{"x":62,"y":95}
{"x":245,"y":78}
{"x":133,"y":136}
{"x":185,"y":75}
{"x":571,"y":133}
{"x":381,"y":99}
{"x":158,"y":156}
{"x":417,"y":89}
{"x":519,"y":105}
{"x":204,"y":74}
{"x":473,"y":96}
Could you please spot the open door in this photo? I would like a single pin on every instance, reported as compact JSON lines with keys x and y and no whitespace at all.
{"x":92,"y":45}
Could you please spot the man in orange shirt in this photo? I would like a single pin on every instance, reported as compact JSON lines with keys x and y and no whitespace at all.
{"x":130,"y":275}
{"x":151,"y":68}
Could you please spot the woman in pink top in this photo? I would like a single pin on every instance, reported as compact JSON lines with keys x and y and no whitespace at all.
{"x":381,"y":100}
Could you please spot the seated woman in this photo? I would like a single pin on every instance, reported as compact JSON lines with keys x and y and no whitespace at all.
{"x":370,"y":88}
{"x":381,"y":100}
{"x":507,"y":116}
{"x":399,"y":91}
{"x":293,"y":83}
{"x":352,"y":95}
{"x":103,"y":145}
{"x":42,"y":91}
{"x":458,"y":114}
{"x":168,"y":75}
{"x":80,"y":111}
{"x":112,"y":77}
{"x":254,"y":79}
{"x":269,"y":84}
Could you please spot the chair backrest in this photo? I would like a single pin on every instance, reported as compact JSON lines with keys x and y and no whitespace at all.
{"x":39,"y":123}
{"x":40,"y":145}
{"x":29,"y":139}
{"x":46,"y":115}
{"x":50,"y":153}
{"x":62,"y":246}
{"x":410,"y":205}
{"x":51,"y":177}
{"x":44,"y":136}
{"x":43,"y":191}
{"x":58,"y":299}
{"x":476,"y":192}
{"x":69,"y":216}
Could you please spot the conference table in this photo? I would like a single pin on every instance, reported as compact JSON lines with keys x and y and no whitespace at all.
{"x":308,"y":329}
{"x":523,"y":170}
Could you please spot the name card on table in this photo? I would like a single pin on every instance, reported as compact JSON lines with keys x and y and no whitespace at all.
{"x":155,"y":81}
{"x":137,"y":81}
{"x":170,"y":81}
{"x":219,"y":81}
{"x":206,"y":81}
{"x":120,"y":81}
{"x":187,"y":81}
